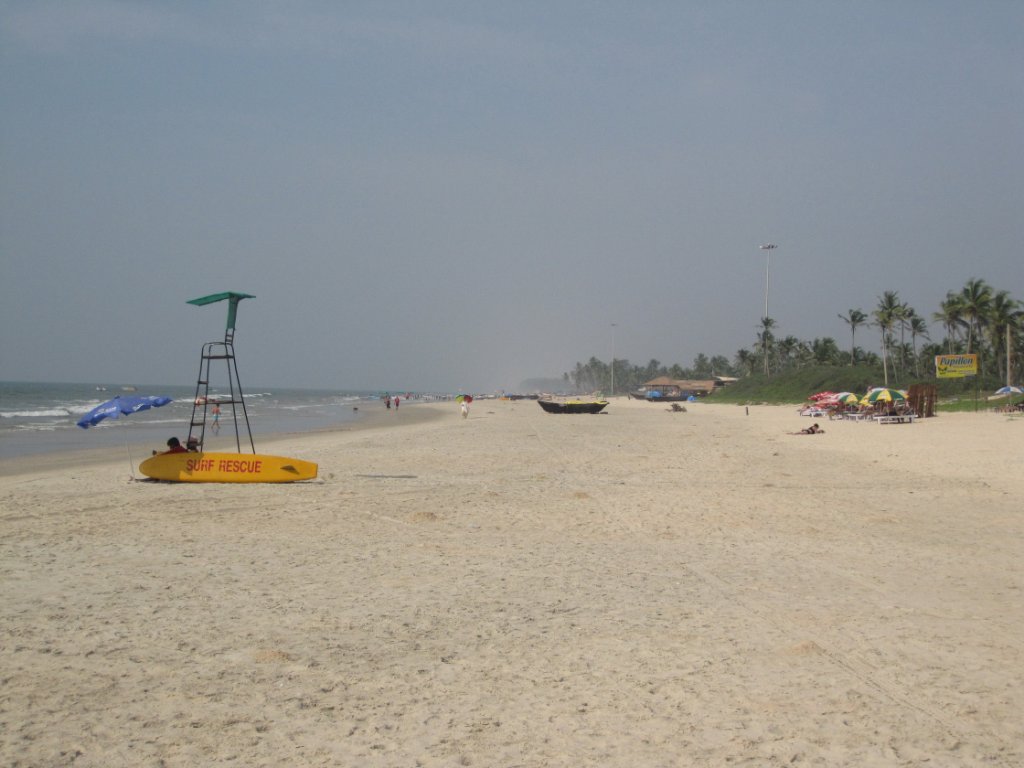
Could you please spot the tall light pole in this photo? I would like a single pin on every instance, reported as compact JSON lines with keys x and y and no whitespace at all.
{"x":767,"y":248}
{"x":613,"y":359}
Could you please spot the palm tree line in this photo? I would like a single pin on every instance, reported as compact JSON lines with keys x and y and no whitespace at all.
{"x":977,"y":319}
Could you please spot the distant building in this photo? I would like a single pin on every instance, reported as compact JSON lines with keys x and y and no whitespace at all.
{"x":680,"y":389}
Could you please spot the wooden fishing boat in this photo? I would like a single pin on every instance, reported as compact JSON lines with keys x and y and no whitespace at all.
{"x":573,"y":406}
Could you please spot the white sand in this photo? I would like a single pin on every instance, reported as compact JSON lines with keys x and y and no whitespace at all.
{"x":640,"y":588}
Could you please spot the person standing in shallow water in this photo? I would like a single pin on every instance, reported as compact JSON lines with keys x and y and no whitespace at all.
{"x":396,"y":402}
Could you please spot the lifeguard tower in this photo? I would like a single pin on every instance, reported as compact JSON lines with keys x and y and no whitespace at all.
{"x":220,"y":350}
{"x":198,"y":465}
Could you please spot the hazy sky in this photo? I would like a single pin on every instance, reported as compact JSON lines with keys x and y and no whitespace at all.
{"x":448,"y":195}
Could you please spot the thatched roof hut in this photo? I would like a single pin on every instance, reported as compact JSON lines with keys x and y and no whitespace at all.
{"x":667,"y":386}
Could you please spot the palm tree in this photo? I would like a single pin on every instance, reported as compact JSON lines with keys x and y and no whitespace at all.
{"x":720,"y":366}
{"x":595,"y":374}
{"x":701,"y":366}
{"x":885,"y":318}
{"x":976,"y":298}
{"x":1016,"y":354}
{"x":951,"y":315}
{"x":1004,"y":314}
{"x":804,"y":353}
{"x":903,"y":314}
{"x":577,"y":376}
{"x":745,"y":361}
{"x":766,"y":338}
{"x":825,"y":351}
{"x":918,"y":328}
{"x":854,"y":318}
{"x":977,"y":317}
{"x":787,"y":349}
{"x":652,"y":370}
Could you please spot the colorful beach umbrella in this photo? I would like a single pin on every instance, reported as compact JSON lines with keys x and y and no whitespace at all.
{"x":464,"y":399}
{"x":884,"y":395}
{"x":831,"y":397}
{"x":1009,"y":391}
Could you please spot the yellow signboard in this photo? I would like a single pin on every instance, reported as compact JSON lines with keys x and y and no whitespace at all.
{"x":956,"y":366}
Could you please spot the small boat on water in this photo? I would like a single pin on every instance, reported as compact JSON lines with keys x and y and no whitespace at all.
{"x":573,"y":406}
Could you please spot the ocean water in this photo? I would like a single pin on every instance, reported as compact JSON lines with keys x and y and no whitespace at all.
{"x":38,"y":418}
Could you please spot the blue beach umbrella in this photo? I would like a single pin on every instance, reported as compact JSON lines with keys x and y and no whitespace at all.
{"x":1009,"y":391}
{"x":119,"y":406}
{"x":122,"y":406}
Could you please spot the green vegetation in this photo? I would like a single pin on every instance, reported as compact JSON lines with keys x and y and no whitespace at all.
{"x":977,"y":319}
{"x":796,"y":385}
{"x":793,"y":387}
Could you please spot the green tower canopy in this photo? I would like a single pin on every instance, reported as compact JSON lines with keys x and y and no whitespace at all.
{"x":232,"y":299}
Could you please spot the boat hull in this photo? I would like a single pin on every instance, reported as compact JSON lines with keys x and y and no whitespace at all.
{"x":573,"y":406}
{"x":227,"y":468}
{"x":652,"y":397}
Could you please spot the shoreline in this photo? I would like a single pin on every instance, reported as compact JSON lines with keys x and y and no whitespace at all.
{"x":373,"y":416}
{"x":39,"y":419}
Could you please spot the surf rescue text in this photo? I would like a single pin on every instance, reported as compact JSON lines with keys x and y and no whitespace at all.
{"x":224,"y":465}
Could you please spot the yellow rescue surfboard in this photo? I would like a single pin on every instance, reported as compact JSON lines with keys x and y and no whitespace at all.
{"x":227,"y":468}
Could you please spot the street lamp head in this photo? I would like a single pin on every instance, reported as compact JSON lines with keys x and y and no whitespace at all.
{"x":768,"y":246}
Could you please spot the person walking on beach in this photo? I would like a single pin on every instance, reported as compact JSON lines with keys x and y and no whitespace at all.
{"x":465,"y":409}
{"x":216,"y":419}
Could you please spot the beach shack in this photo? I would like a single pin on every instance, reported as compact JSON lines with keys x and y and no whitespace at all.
{"x":663,"y":388}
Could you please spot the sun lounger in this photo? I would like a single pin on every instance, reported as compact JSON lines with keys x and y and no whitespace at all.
{"x":814,"y":413}
{"x":899,"y":418}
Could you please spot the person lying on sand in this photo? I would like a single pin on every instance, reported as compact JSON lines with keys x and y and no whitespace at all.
{"x":814,"y":429}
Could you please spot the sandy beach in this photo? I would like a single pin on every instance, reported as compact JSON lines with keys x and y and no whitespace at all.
{"x":637,"y":588}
